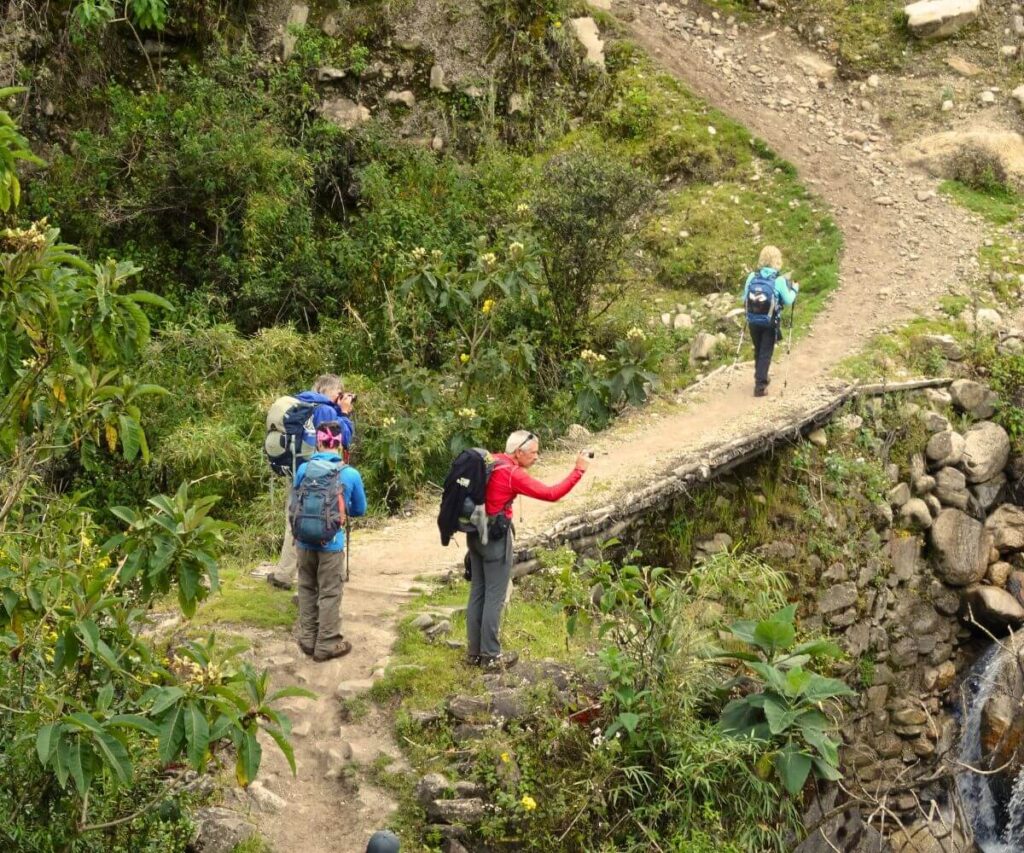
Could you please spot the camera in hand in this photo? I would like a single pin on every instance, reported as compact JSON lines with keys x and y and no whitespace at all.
{"x":589,"y":454}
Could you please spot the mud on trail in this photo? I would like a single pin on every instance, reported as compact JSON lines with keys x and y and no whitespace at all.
{"x":903,"y":247}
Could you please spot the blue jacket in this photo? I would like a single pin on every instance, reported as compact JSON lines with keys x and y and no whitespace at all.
{"x":783,"y":292}
{"x":355,"y":498}
{"x":327,"y":410}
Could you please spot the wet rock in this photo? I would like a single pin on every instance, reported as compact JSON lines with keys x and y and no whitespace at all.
{"x":993,"y":608}
{"x":986,"y":450}
{"x":973,"y":397}
{"x":220,"y":830}
{"x":945,"y":448}
{"x":1002,"y":730}
{"x":961,"y":547}
{"x":1007,"y":527}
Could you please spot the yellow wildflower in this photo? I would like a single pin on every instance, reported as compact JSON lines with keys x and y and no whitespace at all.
{"x":506,"y":758}
{"x":464,"y":358}
{"x":528,"y":803}
{"x":488,"y":306}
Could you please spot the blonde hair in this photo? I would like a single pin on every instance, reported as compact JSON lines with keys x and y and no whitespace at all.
{"x":770,"y":257}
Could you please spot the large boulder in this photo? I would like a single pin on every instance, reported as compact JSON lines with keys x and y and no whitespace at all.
{"x":986,"y":449}
{"x":935,"y":19}
{"x":588,"y":35}
{"x":945,"y":448}
{"x":1007,"y":527}
{"x":989,"y":493}
{"x":220,"y":830}
{"x":703,"y":347}
{"x":961,"y":545}
{"x":973,"y":397}
{"x":915,"y":512}
{"x":345,"y":113}
{"x":993,"y":608}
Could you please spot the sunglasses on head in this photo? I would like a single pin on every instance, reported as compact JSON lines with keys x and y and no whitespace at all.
{"x":526,"y":441}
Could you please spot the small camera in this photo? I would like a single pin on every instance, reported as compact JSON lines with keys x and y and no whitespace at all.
{"x":352,"y":397}
{"x":589,"y":454}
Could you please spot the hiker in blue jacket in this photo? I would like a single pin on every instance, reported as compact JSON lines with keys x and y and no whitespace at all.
{"x":321,"y":567}
{"x":334,"y":405}
{"x":765,"y":293}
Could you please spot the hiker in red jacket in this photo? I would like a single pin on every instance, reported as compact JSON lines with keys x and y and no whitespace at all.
{"x":491,"y":564}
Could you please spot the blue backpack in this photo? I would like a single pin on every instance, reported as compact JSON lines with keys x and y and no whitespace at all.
{"x":762,"y":300}
{"x":317,"y":509}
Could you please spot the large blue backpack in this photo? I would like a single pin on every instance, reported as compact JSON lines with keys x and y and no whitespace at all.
{"x":762,"y":300}
{"x":317,"y":509}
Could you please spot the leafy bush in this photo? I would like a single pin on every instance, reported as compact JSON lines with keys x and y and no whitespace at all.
{"x":587,"y":209}
{"x":978,"y":169}
{"x":786,"y":712}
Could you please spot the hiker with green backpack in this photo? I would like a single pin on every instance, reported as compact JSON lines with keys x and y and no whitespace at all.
{"x":291,"y":439}
{"x":765,"y":294}
{"x":326,"y":492}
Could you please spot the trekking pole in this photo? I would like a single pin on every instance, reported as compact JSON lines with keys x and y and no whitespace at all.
{"x":736,"y":358}
{"x":348,"y":543}
{"x":789,"y":346}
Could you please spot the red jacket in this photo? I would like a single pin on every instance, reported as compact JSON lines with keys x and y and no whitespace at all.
{"x":509,"y":480}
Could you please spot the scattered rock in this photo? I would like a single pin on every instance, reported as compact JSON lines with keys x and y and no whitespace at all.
{"x":431,"y":787}
{"x":961,"y":547}
{"x":422,"y":621}
{"x":818,"y":438}
{"x":935,"y":19}
{"x":345,"y":113}
{"x":587,"y":34}
{"x":220,"y":830}
{"x":899,"y":494}
{"x":989,"y":493}
{"x":951,"y":488}
{"x":703,"y":347}
{"x":934,"y":422}
{"x":405,"y":97}
{"x":469,"y":811}
{"x":998,"y":573}
{"x":973,"y":398}
{"x":437,"y":79}
{"x":266,"y":799}
{"x":682,"y":321}
{"x":814,"y":66}
{"x":839,"y":597}
{"x":327,"y":74}
{"x":297,"y":17}
{"x":469,"y":708}
{"x":440,"y":629}
{"x":963,"y":67}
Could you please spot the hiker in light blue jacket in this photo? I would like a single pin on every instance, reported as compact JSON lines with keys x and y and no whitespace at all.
{"x":765,"y":293}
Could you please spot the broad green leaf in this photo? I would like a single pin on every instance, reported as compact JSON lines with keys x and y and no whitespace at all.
{"x":134,"y":721}
{"x":629,"y":721}
{"x":797,"y":680}
{"x":131,"y":437}
{"x":773,"y":635}
{"x":46,"y":742}
{"x":75,"y":764}
{"x":248,"y":762}
{"x":114,"y":755}
{"x":793,"y":767}
{"x":779,"y":716}
{"x":826,"y":770}
{"x":286,"y":692}
{"x":89,"y":633}
{"x":282,"y":742}
{"x":821,"y":688}
{"x":84,"y":721}
{"x":172,"y":734}
{"x":197,"y":735}
{"x":166,"y":696}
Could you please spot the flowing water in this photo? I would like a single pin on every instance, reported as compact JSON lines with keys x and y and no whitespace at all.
{"x":996,"y":812}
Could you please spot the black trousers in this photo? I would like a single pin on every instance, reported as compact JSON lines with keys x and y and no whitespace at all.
{"x":763,"y":338}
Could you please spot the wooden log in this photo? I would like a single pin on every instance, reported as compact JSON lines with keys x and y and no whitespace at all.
{"x":876,"y":389}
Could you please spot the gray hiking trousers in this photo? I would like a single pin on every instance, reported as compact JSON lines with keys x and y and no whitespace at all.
{"x":320,"y":590}
{"x":491,"y":567}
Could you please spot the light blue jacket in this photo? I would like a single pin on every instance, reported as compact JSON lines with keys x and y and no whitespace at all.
{"x":355,"y":497}
{"x":783,"y":292}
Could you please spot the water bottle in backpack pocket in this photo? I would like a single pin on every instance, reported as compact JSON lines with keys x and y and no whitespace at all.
{"x":288,"y":421}
{"x":317,"y":510}
{"x":762,"y":300}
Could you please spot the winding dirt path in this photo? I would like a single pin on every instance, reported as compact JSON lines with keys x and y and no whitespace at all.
{"x":904,"y":248}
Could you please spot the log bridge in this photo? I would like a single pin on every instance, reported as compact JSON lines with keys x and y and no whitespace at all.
{"x":584,"y":531}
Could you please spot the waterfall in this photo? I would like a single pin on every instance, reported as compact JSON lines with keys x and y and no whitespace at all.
{"x":997,"y":820}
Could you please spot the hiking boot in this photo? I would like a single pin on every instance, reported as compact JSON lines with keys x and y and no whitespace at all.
{"x":472,"y":660}
{"x":279,"y":583}
{"x":502,"y":661}
{"x":336,"y":649}
{"x":306,"y":650}
{"x":760,"y":392}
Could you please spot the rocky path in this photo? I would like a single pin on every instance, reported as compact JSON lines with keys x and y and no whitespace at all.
{"x":904,"y":249}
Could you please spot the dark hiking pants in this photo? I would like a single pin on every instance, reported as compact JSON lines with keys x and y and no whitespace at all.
{"x":763,"y":338}
{"x":491,"y":567}
{"x":320,"y":591}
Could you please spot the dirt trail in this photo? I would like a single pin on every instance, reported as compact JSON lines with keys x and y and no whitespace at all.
{"x":903,"y":250}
